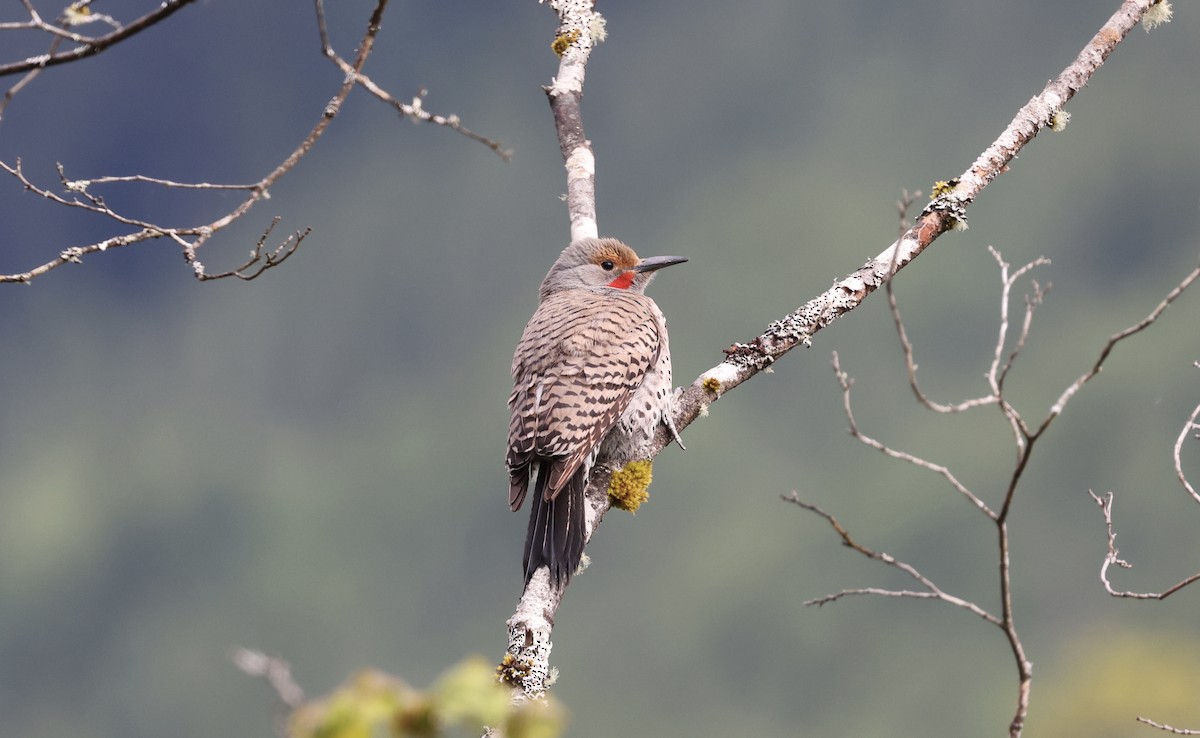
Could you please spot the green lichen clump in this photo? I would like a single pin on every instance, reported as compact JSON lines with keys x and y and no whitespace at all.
{"x":713,"y":385}
{"x":627,"y":488}
{"x":512,"y":670}
{"x":943,"y":187}
{"x":464,"y":700}
{"x":563,"y":42}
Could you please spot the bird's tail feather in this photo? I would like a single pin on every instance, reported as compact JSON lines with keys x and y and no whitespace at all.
{"x":555,"y":537}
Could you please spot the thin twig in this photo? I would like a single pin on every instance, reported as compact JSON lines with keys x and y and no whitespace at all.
{"x":276,"y":671}
{"x":191,"y":238}
{"x":81,"y":185}
{"x":1134,"y":329}
{"x":415,"y":110}
{"x":846,"y":383}
{"x":932,"y":591}
{"x":78,"y":192}
{"x":1189,"y":425}
{"x":1168,"y":728}
{"x":92,"y":46}
{"x":1113,"y":557}
{"x":1024,"y":441}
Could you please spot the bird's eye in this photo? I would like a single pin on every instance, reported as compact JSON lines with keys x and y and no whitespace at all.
{"x":607,"y":265}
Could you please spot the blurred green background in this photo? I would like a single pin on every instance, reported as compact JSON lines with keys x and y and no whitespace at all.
{"x":311,"y":464}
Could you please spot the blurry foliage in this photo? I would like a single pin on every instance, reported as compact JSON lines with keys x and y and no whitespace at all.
{"x":1104,"y":680}
{"x":468,"y":697}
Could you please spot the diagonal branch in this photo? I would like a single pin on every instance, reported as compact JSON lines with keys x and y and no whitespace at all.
{"x":932,"y":591}
{"x":414,"y":111}
{"x":192,"y":238}
{"x":943,"y":471}
{"x":1134,"y":329}
{"x":1168,"y":728}
{"x":90,"y":46}
{"x":945,"y":212}
{"x":77,"y":193}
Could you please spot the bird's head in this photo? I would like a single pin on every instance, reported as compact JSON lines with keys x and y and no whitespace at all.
{"x":603,"y":262}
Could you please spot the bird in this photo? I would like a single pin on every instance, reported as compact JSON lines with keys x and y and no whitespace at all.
{"x":591,"y":377}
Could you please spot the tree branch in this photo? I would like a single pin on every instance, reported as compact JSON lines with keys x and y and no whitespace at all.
{"x":530,"y":626}
{"x":88,"y":46}
{"x":276,"y":671}
{"x":191,"y":238}
{"x":1105,"y":502}
{"x":1024,"y":440}
{"x":932,"y":591}
{"x":1168,"y":728}
{"x":580,"y":28}
{"x":414,"y":111}
{"x":1113,"y":557}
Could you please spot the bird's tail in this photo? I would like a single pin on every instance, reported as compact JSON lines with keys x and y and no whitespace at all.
{"x":555,"y":537}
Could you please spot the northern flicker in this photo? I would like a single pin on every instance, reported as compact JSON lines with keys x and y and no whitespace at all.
{"x":591,"y":376}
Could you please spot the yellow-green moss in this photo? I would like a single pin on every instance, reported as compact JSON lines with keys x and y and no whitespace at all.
{"x":627,"y":488}
{"x":563,"y":42}
{"x":465,"y":698}
{"x":943,"y":187}
{"x":418,"y":718}
{"x":512,"y":670}
{"x":713,"y":385}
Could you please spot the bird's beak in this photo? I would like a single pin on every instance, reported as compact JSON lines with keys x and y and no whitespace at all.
{"x":658,"y":262}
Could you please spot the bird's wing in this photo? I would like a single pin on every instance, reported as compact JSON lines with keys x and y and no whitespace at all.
{"x":582,"y":356}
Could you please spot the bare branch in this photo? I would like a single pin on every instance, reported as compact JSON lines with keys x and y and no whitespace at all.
{"x":1168,"y":728}
{"x":276,"y":671}
{"x":260,"y":258}
{"x":910,"y":363}
{"x":846,"y":383}
{"x":998,"y":372}
{"x":414,"y":111}
{"x":1188,"y":426}
{"x":932,"y":591}
{"x":1143,"y":324}
{"x":1024,"y":441}
{"x":78,"y":193}
{"x":89,"y":46}
{"x":82,"y":185}
{"x":1113,"y":557}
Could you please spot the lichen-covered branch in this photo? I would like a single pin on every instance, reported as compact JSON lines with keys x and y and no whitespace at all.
{"x":529,"y":628}
{"x":580,"y":28}
{"x":946,"y":211}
